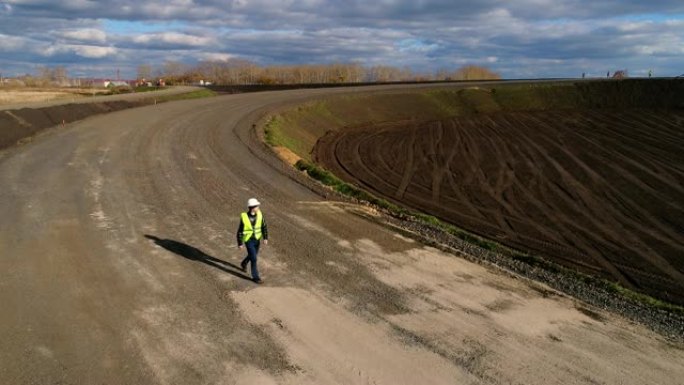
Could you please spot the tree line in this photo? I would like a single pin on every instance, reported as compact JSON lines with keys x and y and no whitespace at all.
{"x":44,"y":77}
{"x":244,"y":72}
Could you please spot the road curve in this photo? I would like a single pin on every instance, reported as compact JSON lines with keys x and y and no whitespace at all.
{"x":118,"y":266}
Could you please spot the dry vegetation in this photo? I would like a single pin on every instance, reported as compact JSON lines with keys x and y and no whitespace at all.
{"x":238,"y":71}
{"x":244,"y":72}
{"x":16,"y":95}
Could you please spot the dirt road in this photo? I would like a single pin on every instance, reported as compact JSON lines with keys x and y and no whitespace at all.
{"x":118,"y":264}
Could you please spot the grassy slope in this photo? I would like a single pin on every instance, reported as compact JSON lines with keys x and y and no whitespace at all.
{"x":198,"y":94}
{"x":298,"y":129}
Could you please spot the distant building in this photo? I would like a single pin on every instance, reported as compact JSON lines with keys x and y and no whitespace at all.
{"x":116,"y":83}
{"x":143,"y":83}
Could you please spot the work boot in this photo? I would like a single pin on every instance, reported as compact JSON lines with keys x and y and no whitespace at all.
{"x":243,"y":267}
{"x":258,"y":281}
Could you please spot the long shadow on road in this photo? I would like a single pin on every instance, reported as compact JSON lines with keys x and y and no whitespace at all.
{"x":195,"y":254}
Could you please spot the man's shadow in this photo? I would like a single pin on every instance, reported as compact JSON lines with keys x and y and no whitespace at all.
{"x":195,"y":254}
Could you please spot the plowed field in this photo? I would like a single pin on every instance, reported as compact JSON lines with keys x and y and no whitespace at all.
{"x":598,"y":190}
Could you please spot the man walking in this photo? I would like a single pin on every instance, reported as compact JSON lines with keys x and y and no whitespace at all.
{"x":251,"y":230}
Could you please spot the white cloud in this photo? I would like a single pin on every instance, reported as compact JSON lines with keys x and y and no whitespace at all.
{"x":93,"y":52}
{"x":11,"y":43}
{"x":61,"y":4}
{"x":86,"y":34}
{"x":172,"y":38}
{"x":215,"y":56}
{"x":86,"y":51}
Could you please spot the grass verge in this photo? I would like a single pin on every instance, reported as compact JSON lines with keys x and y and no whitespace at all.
{"x":610,"y":286}
{"x":275,"y":136}
{"x":186,"y":96}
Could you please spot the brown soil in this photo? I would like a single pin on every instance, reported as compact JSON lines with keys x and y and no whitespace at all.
{"x":597,"y":190}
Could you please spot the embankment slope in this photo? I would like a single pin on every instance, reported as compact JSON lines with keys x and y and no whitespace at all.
{"x":588,"y":175}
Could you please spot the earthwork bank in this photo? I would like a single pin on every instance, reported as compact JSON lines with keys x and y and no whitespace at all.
{"x":587,"y":175}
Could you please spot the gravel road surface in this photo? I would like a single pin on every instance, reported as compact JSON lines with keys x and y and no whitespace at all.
{"x":118,"y":265}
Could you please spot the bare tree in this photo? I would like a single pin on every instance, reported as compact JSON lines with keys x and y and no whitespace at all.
{"x":144,"y":72}
{"x":620,"y":74}
{"x":60,"y":75}
{"x":242,"y":71}
{"x":473,"y":72}
{"x":43,"y":77}
{"x":51,"y":76}
{"x":174,"y":71}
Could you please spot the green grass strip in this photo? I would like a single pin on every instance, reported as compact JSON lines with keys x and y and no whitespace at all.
{"x":199,"y":94}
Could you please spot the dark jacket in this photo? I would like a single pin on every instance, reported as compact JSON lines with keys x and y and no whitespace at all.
{"x":252,"y":219}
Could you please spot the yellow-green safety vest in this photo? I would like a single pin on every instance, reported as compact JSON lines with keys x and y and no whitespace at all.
{"x":247,"y":230}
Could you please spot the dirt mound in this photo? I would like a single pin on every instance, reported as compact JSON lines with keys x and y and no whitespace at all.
{"x":16,"y":125}
{"x":597,"y":190}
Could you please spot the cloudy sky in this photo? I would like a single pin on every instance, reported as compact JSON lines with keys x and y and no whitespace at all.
{"x":518,"y":38}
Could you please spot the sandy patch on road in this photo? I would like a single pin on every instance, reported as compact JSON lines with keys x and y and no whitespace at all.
{"x":332,"y":346}
{"x":507,"y":330}
{"x":466,"y":324}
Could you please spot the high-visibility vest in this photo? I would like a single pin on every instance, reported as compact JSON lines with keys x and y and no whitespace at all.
{"x":247,"y":230}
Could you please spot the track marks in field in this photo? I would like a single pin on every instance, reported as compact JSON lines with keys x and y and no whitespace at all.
{"x":600,"y":189}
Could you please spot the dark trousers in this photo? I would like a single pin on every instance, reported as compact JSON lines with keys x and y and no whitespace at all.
{"x":252,"y":246}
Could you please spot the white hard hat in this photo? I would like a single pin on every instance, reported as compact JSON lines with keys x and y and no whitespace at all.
{"x":252,"y":202}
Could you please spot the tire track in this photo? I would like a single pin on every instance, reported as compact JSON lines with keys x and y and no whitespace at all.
{"x":576,"y":186}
